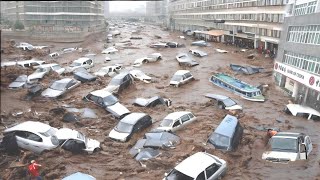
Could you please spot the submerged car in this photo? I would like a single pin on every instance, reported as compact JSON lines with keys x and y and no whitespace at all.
{"x":200,"y":43}
{"x":224,"y":102}
{"x":32,"y":63}
{"x":185,"y":60}
{"x":200,"y":165}
{"x":139,"y":75}
{"x":119,"y":82}
{"x":108,"y":71}
{"x":150,"y":58}
{"x":174,"y":44}
{"x":130,"y":124}
{"x":44,"y":69}
{"x":108,"y":101}
{"x":25,"y":46}
{"x":181,"y":77}
{"x":33,"y":136}
{"x":151,"y":102}
{"x":198,"y":53}
{"x":245,"y":69}
{"x":227,"y":135}
{"x":304,"y":111}
{"x":176,"y":121}
{"x":83,"y":75}
{"x":221,"y":51}
{"x":109,"y":50}
{"x":19,"y":82}
{"x":60,"y":87}
{"x":78,"y":176}
{"x":84,"y":62}
{"x":75,"y":141}
{"x":159,"y":45}
{"x":288,"y":146}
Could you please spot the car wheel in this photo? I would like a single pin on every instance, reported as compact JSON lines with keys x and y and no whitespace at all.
{"x":96,"y":150}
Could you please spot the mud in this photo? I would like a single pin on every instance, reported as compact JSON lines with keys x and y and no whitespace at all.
{"x":114,"y":161}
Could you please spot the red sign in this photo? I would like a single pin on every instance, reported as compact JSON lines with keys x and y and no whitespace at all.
{"x":276,"y":66}
{"x":311,"y":80}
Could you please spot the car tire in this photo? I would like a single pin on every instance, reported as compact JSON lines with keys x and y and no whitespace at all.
{"x":96,"y":150}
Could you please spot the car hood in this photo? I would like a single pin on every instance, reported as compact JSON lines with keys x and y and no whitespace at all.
{"x":118,"y":135}
{"x":234,"y":107}
{"x":70,"y":69}
{"x":280,"y":155}
{"x":37,"y":75}
{"x":16,"y":84}
{"x":117,"y":109}
{"x":60,"y":71}
{"x":112,"y":88}
{"x":51,"y":93}
{"x":141,"y":101}
{"x":164,"y":128}
{"x":92,"y":144}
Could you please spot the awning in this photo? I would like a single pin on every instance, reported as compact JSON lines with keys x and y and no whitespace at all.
{"x":214,"y":32}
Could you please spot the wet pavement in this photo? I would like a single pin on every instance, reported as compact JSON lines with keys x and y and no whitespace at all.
{"x":114,"y":161}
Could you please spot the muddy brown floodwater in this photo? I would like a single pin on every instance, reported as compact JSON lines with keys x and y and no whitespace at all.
{"x":114,"y":161}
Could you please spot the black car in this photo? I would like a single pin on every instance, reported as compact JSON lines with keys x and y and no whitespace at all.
{"x":119,"y":83}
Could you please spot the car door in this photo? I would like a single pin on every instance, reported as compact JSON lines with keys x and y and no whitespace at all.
{"x":185,"y":120}
{"x":308,"y":143}
{"x":213,"y":171}
{"x":72,"y":84}
{"x":176,"y":125}
{"x":29,"y":141}
{"x":21,"y":137}
{"x":188,"y":76}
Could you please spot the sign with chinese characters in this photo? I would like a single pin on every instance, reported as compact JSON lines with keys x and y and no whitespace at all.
{"x":310,"y":80}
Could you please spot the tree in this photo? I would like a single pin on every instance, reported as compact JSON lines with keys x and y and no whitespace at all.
{"x":18,"y":25}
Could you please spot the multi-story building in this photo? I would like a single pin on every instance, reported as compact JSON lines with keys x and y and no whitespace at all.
{"x":157,"y":12}
{"x":257,"y":22}
{"x":297,"y":66}
{"x":106,"y":9}
{"x":55,"y":15}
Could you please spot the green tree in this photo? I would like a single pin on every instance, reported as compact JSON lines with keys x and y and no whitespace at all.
{"x":18,"y":25}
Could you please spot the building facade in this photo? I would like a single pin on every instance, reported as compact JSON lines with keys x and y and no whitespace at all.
{"x":297,"y":67}
{"x":257,"y":22}
{"x":106,"y":9}
{"x":55,"y":15}
{"x":157,"y":12}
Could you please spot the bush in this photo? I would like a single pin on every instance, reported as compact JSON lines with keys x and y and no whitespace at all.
{"x":18,"y":25}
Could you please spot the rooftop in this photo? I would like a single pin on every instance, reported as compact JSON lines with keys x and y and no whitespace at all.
{"x":101,"y":93}
{"x":132,"y":118}
{"x":227,"y":126}
{"x":176,"y":115}
{"x":31,"y":126}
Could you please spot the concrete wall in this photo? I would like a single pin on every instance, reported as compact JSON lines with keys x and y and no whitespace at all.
{"x":307,"y":49}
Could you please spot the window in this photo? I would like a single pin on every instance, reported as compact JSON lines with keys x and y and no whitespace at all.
{"x":93,"y":98}
{"x":177,"y":123}
{"x":33,"y":137}
{"x":307,"y":63}
{"x":309,"y":34}
{"x":201,"y":176}
{"x":184,"y":118}
{"x":211,"y":170}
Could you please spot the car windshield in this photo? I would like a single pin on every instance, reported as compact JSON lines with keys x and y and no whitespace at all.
{"x":110,"y":100}
{"x":166,"y":123}
{"x":21,"y":79}
{"x":74,"y":64}
{"x":219,"y":140}
{"x":49,"y":133}
{"x":82,"y":137}
{"x":284,"y":144}
{"x":56,"y":67}
{"x":41,"y":70}
{"x":229,"y":102}
{"x":115,"y":82}
{"x":177,"y":175}
{"x":124,"y":127}
{"x":58,"y":86}
{"x":176,"y":78}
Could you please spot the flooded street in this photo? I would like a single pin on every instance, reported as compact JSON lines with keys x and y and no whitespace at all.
{"x":114,"y":161}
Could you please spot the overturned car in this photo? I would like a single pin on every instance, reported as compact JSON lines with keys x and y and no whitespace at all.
{"x":185,"y":60}
{"x":151,"y":102}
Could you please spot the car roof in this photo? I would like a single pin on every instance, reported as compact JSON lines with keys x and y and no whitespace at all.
{"x":48,"y":65}
{"x":297,"y":108}
{"x":181,"y":72}
{"x":64,"y":80}
{"x":120,"y":76}
{"x":101,"y":93}
{"x":227,"y":126}
{"x":30,"y":61}
{"x":82,"y":59}
{"x":66,"y":133}
{"x":292,"y":135}
{"x":31,"y":126}
{"x":195,"y":164}
{"x":132,"y":118}
{"x":217,"y":96}
{"x":176,"y":115}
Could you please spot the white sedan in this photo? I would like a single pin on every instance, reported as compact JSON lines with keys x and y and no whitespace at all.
{"x":75,"y":141}
{"x":109,"y":50}
{"x":150,"y":58}
{"x":137,"y":74}
{"x":177,"y":120}
{"x":33,"y":136}
{"x":108,"y":71}
{"x":60,"y":87}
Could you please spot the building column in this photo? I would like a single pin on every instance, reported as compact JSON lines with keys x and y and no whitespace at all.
{"x":265,"y":45}
{"x":295,"y":89}
{"x":305,"y":97}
